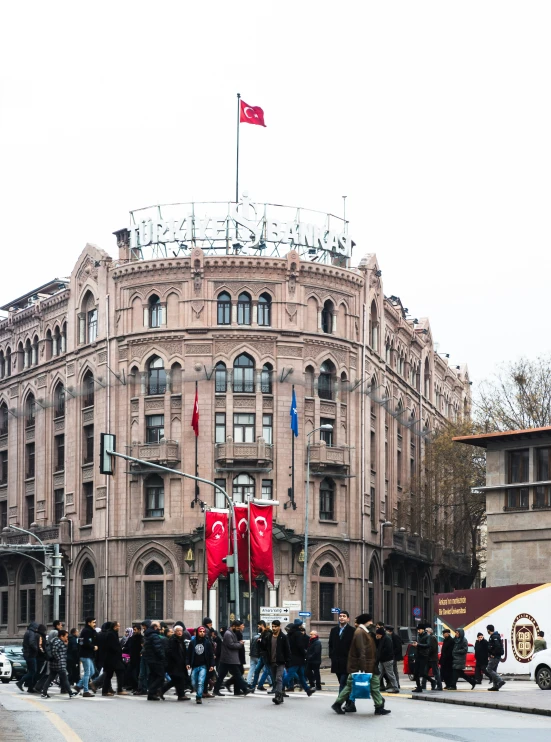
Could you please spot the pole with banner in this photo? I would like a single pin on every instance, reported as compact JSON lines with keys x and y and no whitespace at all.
{"x":245,"y":115}
{"x":195,"y":426}
{"x":237,"y":163}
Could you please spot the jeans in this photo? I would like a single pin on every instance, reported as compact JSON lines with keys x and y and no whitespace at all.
{"x":143,"y":677}
{"x":266,"y":675}
{"x":239,"y":683}
{"x":30,"y":676}
{"x":198,"y":675}
{"x":396,"y":674}
{"x":87,"y":672}
{"x":375,"y":691}
{"x":63,"y":681}
{"x":252,"y":669}
{"x":277,"y":673}
{"x":491,"y":668}
{"x":313,"y":674}
{"x":387,"y":670}
{"x":342,"y":678}
{"x":297,"y":670}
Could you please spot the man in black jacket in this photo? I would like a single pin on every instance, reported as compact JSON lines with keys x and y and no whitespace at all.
{"x":31,"y":649}
{"x":298,"y":645}
{"x":200,"y":661}
{"x":154,"y":655}
{"x":481,"y":657}
{"x":385,"y":658}
{"x":397,"y":645}
{"x":495,"y":651}
{"x":432,"y":660}
{"x":422,"y":659}
{"x":313,"y":661}
{"x":230,"y":661}
{"x":340,"y":639}
{"x":278,"y":655}
{"x":446,"y":659}
{"x":87,"y":648}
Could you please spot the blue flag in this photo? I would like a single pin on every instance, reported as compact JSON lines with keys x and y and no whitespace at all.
{"x":294,"y":414}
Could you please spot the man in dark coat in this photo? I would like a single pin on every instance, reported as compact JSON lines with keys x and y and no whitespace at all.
{"x":230,"y":661}
{"x":432,"y":660}
{"x":200,"y":661}
{"x":313,"y":661}
{"x":133,"y":648}
{"x":385,"y":659}
{"x":481,"y":657}
{"x":112,"y":660}
{"x":298,"y":646}
{"x":422,"y":659}
{"x":446,"y":659}
{"x":31,"y":650}
{"x":340,"y":639}
{"x":459,"y":659}
{"x":176,"y":663}
{"x":72,"y":657}
{"x":278,"y":655}
{"x":397,"y":645}
{"x":154,"y":654}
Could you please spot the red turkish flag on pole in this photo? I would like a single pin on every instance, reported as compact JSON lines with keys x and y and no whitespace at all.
{"x":242,"y":540}
{"x":261,"y":541}
{"x":251,"y":114}
{"x":216,"y":544}
{"x":195,"y":416}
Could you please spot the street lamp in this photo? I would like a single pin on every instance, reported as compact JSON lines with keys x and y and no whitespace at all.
{"x":384,"y":525}
{"x":327,"y":426}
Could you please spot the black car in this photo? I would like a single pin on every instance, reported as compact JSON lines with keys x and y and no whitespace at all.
{"x":18,"y":662}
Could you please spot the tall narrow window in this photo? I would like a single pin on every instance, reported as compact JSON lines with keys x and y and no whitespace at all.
{"x":372,"y":507}
{"x":88,"y":389}
{"x":374,"y":327}
{"x":154,"y":497}
{"x":3,"y":513}
{"x":220,"y":378}
{"x":92,"y":322}
{"x":154,"y":598}
{"x":156,"y":376}
{"x":88,"y":591}
{"x":266,"y":378}
{"x":30,"y":411}
{"x":243,"y":374}
{"x":243,"y":488}
{"x":542,"y":498}
{"x":220,"y":427}
{"x":267,"y":489}
{"x":29,"y":506}
{"x":267,"y":428}
{"x":59,"y":401}
{"x":154,"y":428}
{"x":325,"y":381}
{"x":244,"y":309}
{"x":29,"y":460}
{"x":265,"y":310}
{"x":223,"y":309}
{"x":327,"y":500}
{"x":59,"y":453}
{"x":327,"y":317}
{"x":243,"y":427}
{"x":219,"y":499}
{"x":59,"y":505}
{"x":155,"y":312}
{"x":518,"y":465}
{"x":88,"y":502}
{"x":326,"y":593}
{"x":3,"y":597}
{"x":88,"y":444}
{"x":27,"y":595}
{"x":3,"y":467}
{"x":309,"y":381}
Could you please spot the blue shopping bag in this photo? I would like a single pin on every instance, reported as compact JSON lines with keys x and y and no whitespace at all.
{"x":361,"y":685}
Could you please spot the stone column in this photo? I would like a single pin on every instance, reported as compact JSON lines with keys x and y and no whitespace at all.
{"x":273,"y":593}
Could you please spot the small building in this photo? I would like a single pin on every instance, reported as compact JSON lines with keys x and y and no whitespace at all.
{"x":518,"y":505}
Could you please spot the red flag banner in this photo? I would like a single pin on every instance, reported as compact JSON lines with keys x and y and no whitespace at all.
{"x":242,"y":522}
{"x":261,"y":541}
{"x":195,"y":416}
{"x":216,"y":542}
{"x":251,"y":114}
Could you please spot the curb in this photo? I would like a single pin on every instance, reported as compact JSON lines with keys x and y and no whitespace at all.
{"x":485,"y":705}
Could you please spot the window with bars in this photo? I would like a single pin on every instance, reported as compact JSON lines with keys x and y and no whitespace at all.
{"x":327,"y":500}
{"x":154,"y":599}
{"x":154,"y":497}
{"x":59,"y":505}
{"x":220,"y":427}
{"x":220,"y":378}
{"x":59,"y":453}
{"x":154,"y":428}
{"x":88,"y":502}
{"x":219,"y":499}
{"x":243,"y":374}
{"x":265,"y":310}
{"x":244,"y":309}
{"x":156,"y":378}
{"x":327,"y":601}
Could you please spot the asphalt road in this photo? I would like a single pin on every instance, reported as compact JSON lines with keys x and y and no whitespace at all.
{"x":131,"y":719}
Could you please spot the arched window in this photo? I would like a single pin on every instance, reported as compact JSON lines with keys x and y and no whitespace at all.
{"x":223,"y":308}
{"x":2,"y":364}
{"x":154,"y":591}
{"x":88,"y":389}
{"x":427,"y":378}
{"x":325,"y":381}
{"x":30,"y":411}
{"x":155,"y":312}
{"x":8,"y":362}
{"x":344,"y":388}
{"x":244,"y":309}
{"x":220,"y":378}
{"x":243,"y":374}
{"x":265,"y":310}
{"x":88,"y":602}
{"x":3,"y":419}
{"x":327,"y":598}
{"x":176,"y":378}
{"x":154,"y":497}
{"x":266,"y":378}
{"x":3,"y":597}
{"x":327,"y":500}
{"x":327,"y":316}
{"x":374,"y":327}
{"x":243,"y":488}
{"x":309,"y":381}
{"x":63,"y":337}
{"x":156,"y":376}
{"x":59,"y":400}
{"x":56,"y":348}
{"x":27,"y":594}
{"x":48,"y":345}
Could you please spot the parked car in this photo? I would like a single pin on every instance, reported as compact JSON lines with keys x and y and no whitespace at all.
{"x":5,"y":668}
{"x":18,"y":662}
{"x":540,"y":669}
{"x":409,"y":660}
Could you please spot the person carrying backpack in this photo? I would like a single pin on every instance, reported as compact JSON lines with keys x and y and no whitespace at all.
{"x":495,"y":652}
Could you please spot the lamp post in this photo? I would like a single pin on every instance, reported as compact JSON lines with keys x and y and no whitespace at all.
{"x":384,"y":525}
{"x":327,"y":426}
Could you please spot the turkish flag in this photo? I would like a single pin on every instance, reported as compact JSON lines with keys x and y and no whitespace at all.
{"x":242,"y":522}
{"x":261,"y":541}
{"x":216,"y":542}
{"x":251,"y":114}
{"x":195,"y":416}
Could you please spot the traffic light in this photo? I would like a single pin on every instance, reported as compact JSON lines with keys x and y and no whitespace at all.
{"x":46,"y":583}
{"x":108,"y":442}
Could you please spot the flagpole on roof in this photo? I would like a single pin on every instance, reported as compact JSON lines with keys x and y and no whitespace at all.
{"x":237,"y":163}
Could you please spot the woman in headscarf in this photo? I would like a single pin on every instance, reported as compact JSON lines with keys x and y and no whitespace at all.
{"x":459,"y":659}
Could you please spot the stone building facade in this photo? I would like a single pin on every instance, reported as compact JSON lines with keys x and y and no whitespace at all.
{"x":119,"y":346}
{"x":518,"y":505}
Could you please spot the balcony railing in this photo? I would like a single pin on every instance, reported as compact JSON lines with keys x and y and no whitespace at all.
{"x":324,"y":457}
{"x":166,"y":450}
{"x":260,"y":453}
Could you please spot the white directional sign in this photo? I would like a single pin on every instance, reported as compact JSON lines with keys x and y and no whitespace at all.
{"x":293,"y":605}
{"x":281,"y":618}
{"x":276,"y":611}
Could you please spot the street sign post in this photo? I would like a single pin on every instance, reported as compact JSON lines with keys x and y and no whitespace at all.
{"x":416,"y":612}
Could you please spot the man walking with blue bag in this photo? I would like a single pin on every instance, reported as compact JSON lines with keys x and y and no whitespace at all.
{"x":362,"y":658}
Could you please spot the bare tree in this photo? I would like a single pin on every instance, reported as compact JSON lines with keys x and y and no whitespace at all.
{"x":517,"y":397}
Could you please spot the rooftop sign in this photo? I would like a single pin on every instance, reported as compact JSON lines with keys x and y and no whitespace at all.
{"x":244,"y":228}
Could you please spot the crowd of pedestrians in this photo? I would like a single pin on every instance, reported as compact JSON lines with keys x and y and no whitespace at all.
{"x":150,"y":658}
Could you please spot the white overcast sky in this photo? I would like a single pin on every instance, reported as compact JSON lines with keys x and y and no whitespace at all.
{"x":433,"y":118}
